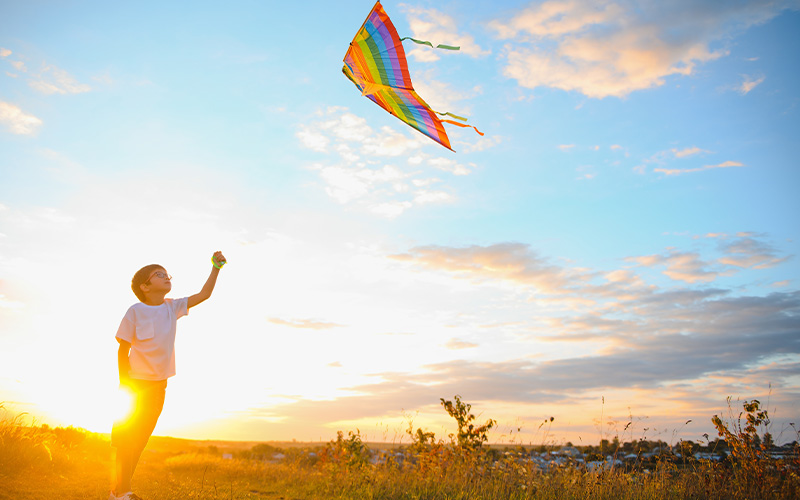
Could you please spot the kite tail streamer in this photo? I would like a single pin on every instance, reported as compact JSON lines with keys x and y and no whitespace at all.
{"x":463,"y":125}
{"x":429,"y":44}
{"x":451,"y":114}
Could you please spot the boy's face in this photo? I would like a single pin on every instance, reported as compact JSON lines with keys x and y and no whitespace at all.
{"x":159,"y":281}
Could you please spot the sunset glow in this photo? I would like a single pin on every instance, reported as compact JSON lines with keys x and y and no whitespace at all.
{"x":621,"y":246}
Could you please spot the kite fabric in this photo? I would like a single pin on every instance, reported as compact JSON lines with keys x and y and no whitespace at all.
{"x":376,"y":64}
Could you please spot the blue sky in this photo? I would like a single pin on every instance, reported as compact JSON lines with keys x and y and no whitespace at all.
{"x":622,"y":241}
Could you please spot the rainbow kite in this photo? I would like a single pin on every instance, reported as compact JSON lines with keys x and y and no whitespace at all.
{"x":376,"y":64}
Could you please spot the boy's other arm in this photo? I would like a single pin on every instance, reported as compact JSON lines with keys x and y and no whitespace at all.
{"x":209,"y":286}
{"x":123,"y":362}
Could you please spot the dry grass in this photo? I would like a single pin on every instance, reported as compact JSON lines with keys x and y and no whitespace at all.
{"x":45,"y":463}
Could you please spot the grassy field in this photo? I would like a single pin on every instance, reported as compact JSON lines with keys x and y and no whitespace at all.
{"x":66,"y":463}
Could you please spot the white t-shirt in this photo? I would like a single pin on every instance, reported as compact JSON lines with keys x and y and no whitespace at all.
{"x":151,"y":332}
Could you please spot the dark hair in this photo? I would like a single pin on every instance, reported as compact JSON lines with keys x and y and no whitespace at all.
{"x":141,"y":277}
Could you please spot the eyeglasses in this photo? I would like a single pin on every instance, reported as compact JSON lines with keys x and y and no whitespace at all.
{"x":159,"y":274}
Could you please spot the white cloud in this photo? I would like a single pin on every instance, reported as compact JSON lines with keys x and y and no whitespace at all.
{"x":425,"y":197}
{"x":313,"y":139}
{"x":17,"y":121}
{"x":613,"y":48}
{"x":389,"y":142}
{"x":343,"y":184}
{"x":425,"y":182}
{"x":481,"y":144}
{"x":422,"y":54}
{"x":390,"y":210}
{"x":449,"y":165}
{"x":349,"y":127}
{"x":356,"y":180}
{"x":4,"y":52}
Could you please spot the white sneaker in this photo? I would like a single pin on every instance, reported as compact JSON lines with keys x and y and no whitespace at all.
{"x":128,"y":496}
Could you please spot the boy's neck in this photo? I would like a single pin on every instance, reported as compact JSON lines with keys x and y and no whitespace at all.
{"x":153,"y":300}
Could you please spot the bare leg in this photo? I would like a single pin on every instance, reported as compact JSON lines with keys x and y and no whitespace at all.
{"x":124,"y":472}
{"x":148,"y":406}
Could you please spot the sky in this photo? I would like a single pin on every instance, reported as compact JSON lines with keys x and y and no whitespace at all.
{"x":619,"y":251}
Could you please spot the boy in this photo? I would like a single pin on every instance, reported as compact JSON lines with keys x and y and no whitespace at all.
{"x":146,"y":358}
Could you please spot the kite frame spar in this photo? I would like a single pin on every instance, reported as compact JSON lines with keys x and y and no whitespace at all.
{"x":385,"y":79}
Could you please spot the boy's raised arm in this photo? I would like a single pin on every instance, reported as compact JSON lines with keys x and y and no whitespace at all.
{"x":217,"y":260}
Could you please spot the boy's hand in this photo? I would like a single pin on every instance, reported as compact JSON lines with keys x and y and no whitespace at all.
{"x":218,"y":259}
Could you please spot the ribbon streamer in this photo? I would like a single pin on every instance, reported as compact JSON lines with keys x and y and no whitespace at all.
{"x":429,"y":44}
{"x":451,"y":114}
{"x":463,"y":125}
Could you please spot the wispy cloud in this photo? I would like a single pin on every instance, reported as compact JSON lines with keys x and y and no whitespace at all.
{"x":449,"y":165}
{"x":53,"y":80}
{"x":662,"y":161}
{"x":743,"y":251}
{"x":17,"y":121}
{"x":679,"y":171}
{"x":613,"y":48}
{"x":50,"y":79}
{"x":748,"y":252}
{"x":749,"y":83}
{"x":512,"y":262}
{"x":683,"y":266}
{"x":683,"y":153}
{"x":456,"y":344}
{"x":306,"y":324}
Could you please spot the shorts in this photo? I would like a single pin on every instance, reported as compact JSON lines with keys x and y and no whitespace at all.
{"x":135,"y":429}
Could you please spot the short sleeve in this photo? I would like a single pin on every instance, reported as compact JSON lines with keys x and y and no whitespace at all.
{"x":127,"y":329}
{"x":180,"y":307}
